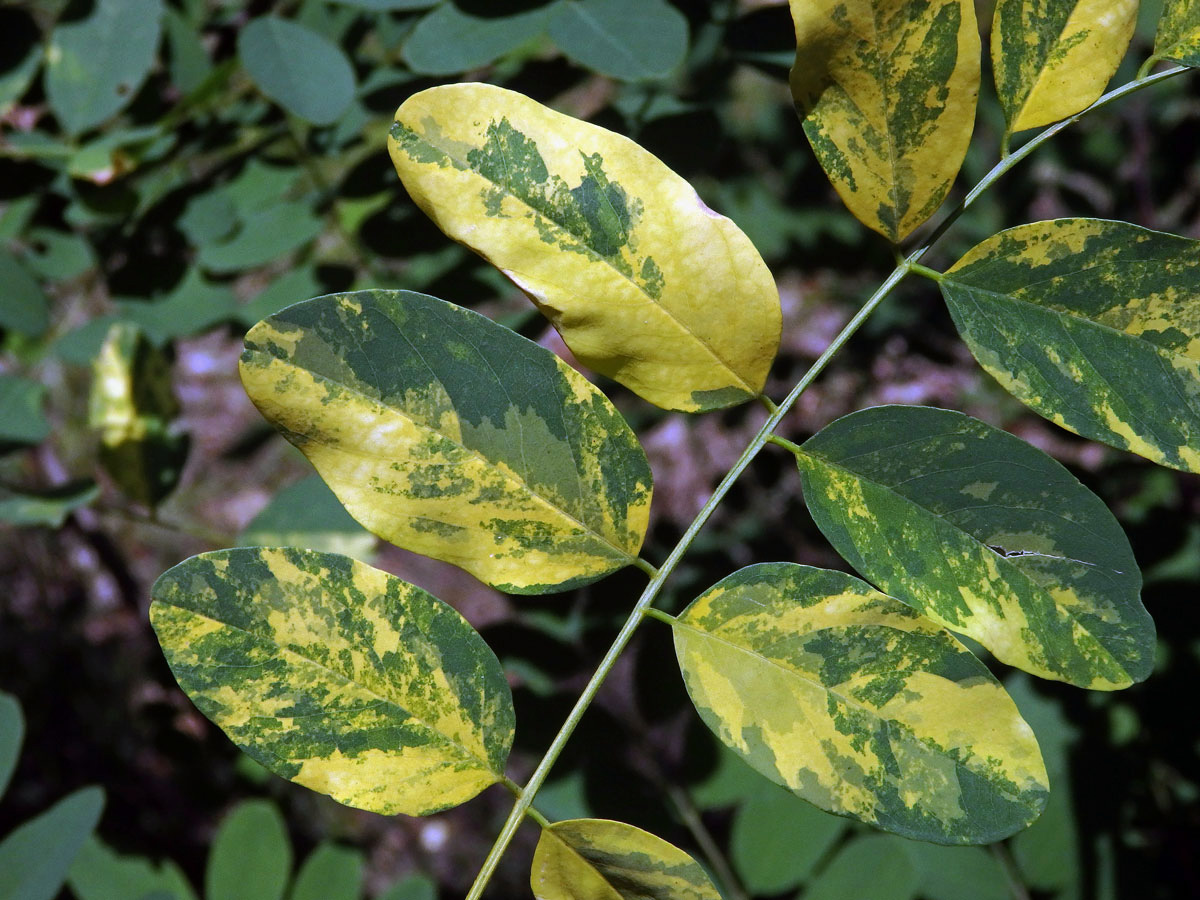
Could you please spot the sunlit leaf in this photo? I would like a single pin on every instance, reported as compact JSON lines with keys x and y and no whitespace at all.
{"x":1095,"y":325}
{"x":251,"y":856}
{"x":330,"y":873}
{"x":307,"y":514}
{"x":35,"y":857}
{"x":337,"y":676}
{"x":12,"y":734}
{"x":986,"y":535}
{"x":448,"y":40}
{"x":297,"y":68}
{"x":859,"y":705}
{"x":626,"y":39}
{"x":887,"y":90}
{"x":132,"y":407}
{"x":596,"y":859}
{"x":647,"y":284}
{"x":1179,"y":32}
{"x":1053,"y":58}
{"x":875,"y":866}
{"x":450,"y":435}
{"x":95,"y":65}
{"x":99,"y":873}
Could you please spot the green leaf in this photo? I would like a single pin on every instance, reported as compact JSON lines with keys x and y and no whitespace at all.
{"x":776,"y":841}
{"x":35,"y":857}
{"x":1053,"y":58}
{"x":595,"y":859}
{"x":337,"y":676}
{"x":1048,"y":853}
{"x":450,"y":435}
{"x":132,"y":406}
{"x":12,"y":735}
{"x":952,"y":873}
{"x":15,"y":81}
{"x":193,"y":307}
{"x":382,"y":5}
{"x":307,"y":514}
{"x":23,"y":306}
{"x":49,"y":507}
{"x":1178,"y":36}
{"x":415,"y":887}
{"x":58,"y":256}
{"x":889,"y":116}
{"x":292,"y":286}
{"x":297,"y":68}
{"x":1093,"y":324}
{"x":647,"y":284}
{"x":263,"y":237}
{"x":627,"y":39}
{"x":330,"y":873}
{"x":190,"y":63}
{"x":94,"y":66}
{"x":99,"y":873}
{"x":877,"y":867}
{"x":251,"y":856}
{"x":21,"y":418}
{"x":985,"y":535}
{"x":859,"y":705}
{"x":448,"y":41}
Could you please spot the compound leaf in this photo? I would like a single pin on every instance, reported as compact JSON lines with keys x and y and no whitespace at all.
{"x":646,"y":284}
{"x":596,"y":859}
{"x":1053,"y":58}
{"x":889,"y":115}
{"x":337,"y":676}
{"x":450,"y":435}
{"x":986,"y":535}
{"x":95,"y":65}
{"x":859,"y":705}
{"x":297,"y":68}
{"x":1093,"y":324}
{"x":1179,"y":32}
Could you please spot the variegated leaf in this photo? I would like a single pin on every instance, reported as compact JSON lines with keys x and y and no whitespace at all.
{"x":595,"y":859}
{"x":1095,"y":325}
{"x":1053,"y":58}
{"x":337,"y":676}
{"x":986,"y":535}
{"x":132,"y":406}
{"x":450,"y":435}
{"x":887,"y":90}
{"x":1179,"y":32}
{"x":859,"y":705}
{"x":646,"y":284}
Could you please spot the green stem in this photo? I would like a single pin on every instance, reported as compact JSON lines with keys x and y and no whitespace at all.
{"x":1015,"y":886}
{"x":765,"y":434}
{"x":690,"y":816}
{"x":932,"y":274}
{"x":653,"y":613}
{"x":646,"y":567}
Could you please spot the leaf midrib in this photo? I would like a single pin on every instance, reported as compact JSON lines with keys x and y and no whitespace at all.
{"x":651,"y":301}
{"x":1001,"y":561}
{"x":490,"y":464}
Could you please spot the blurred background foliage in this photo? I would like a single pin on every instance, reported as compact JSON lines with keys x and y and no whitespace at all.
{"x":173,"y":170}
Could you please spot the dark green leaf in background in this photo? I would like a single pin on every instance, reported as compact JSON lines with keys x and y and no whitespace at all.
{"x":99,"y":873}
{"x":957,"y":873}
{"x":1095,"y":325}
{"x":15,"y":80}
{"x":292,"y":286}
{"x":626,"y":39}
{"x":874,"y":867}
{"x":35,"y":857}
{"x":193,"y":306}
{"x":12,"y":735}
{"x":297,"y":68}
{"x":22,"y":420}
{"x":189,"y":61}
{"x":48,"y":507}
{"x":986,"y":535}
{"x":330,"y":873}
{"x":57,"y":255}
{"x":23,"y":306}
{"x":415,"y":887}
{"x":251,"y":856}
{"x":94,"y":66}
{"x":307,"y":514}
{"x":264,"y":236}
{"x":777,"y":840}
{"x":448,"y":41}
{"x":389,"y":5}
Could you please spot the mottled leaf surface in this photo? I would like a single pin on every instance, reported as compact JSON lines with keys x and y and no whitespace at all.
{"x":1053,"y":58}
{"x":859,"y":705}
{"x":450,"y":435}
{"x":1179,"y":32}
{"x":646,"y":283}
{"x":596,"y":859}
{"x":887,"y":90}
{"x":337,"y":675}
{"x":1095,"y":325}
{"x":986,"y":535}
{"x":132,"y":405}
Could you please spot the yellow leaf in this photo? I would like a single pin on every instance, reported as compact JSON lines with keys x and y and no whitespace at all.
{"x":646,"y":284}
{"x":887,"y":89}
